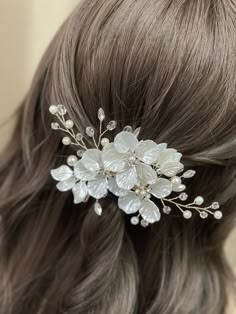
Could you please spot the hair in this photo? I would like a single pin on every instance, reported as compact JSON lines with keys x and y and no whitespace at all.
{"x":169,"y":67}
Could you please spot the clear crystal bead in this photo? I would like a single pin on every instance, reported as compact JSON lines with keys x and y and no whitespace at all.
{"x":104,"y":141}
{"x":203,"y":215}
{"x":111,"y":125}
{"x":215,"y":205}
{"x":79,"y":136}
{"x":199,"y":200}
{"x":188,"y":174}
{"x":134,"y":220}
{"x":98,"y":208}
{"x":80,"y":152}
{"x":183,"y":196}
{"x":128,"y":128}
{"x":166,"y":210}
{"x":144,"y":223}
{"x":90,"y":131}
{"x":101,"y":114}
{"x":55,"y":125}
{"x":61,"y":109}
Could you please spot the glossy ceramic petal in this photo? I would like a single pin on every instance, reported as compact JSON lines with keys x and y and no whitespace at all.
{"x":125,"y":141}
{"x":62,"y":173}
{"x":162,"y":188}
{"x":129,"y":203}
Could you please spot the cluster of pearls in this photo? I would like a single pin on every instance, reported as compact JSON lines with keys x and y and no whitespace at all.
{"x":144,"y":192}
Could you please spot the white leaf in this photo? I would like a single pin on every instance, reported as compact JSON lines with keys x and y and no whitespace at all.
{"x":127,"y":178}
{"x":115,"y":189}
{"x":61,"y":173}
{"x":189,"y":174}
{"x":147,"y":151}
{"x":97,"y":188}
{"x":82,"y":173}
{"x":125,"y":141}
{"x":170,"y":169}
{"x":112,"y":160}
{"x":80,"y":192}
{"x":149,"y":211}
{"x":162,"y":188}
{"x":66,"y":185}
{"x":146,"y":174}
{"x":129,"y":203}
{"x":92,"y":159}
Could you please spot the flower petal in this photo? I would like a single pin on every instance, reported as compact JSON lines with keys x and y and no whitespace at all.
{"x":113,"y":160}
{"x":169,"y":155}
{"x":66,"y":185}
{"x":146,"y":174}
{"x":97,"y":188}
{"x":162,"y":188}
{"x":127,"y":178}
{"x":115,"y":189}
{"x":83,"y":173}
{"x":62,"y":173}
{"x":129,"y":203}
{"x":80,"y":192}
{"x":125,"y":141}
{"x":149,"y":211}
{"x":170,"y":169}
{"x":92,"y":159}
{"x":148,"y":151}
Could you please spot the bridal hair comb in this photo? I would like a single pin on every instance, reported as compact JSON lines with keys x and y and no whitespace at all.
{"x":142,"y":175}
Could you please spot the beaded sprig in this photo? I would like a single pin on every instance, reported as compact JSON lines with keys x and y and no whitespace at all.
{"x":136,"y":172}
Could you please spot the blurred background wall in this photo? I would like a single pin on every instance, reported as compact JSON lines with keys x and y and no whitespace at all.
{"x":26,"y":29}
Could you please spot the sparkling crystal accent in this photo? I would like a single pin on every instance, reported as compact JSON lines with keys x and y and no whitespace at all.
{"x":218,"y":214}
{"x":187,"y":214}
{"x":203,"y":215}
{"x":183,"y":196}
{"x":111,"y":125}
{"x":101,"y":114}
{"x":166,"y":210}
{"x":188,"y":174}
{"x":55,"y":125}
{"x":134,"y":220}
{"x":215,"y":205}
{"x":98,"y":208}
{"x":79,"y":136}
{"x":144,"y":223}
{"x":90,"y":131}
{"x":66,"y":140}
{"x":128,"y":128}
{"x":80,"y":152}
{"x":61,"y":110}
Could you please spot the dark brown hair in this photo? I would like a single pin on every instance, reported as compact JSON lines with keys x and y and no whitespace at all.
{"x":169,"y":67}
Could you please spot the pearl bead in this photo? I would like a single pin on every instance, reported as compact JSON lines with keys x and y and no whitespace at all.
{"x":187,"y":214}
{"x":218,"y":214}
{"x":143,"y":193}
{"x":53,"y":109}
{"x":137,"y":191}
{"x":179,"y":188}
{"x":66,"y":140}
{"x":176,"y":180}
{"x":134,"y":220}
{"x":148,"y":196}
{"x":104,"y":141}
{"x":69,"y":124}
{"x":71,"y":160}
{"x":132,"y":159}
{"x":199,"y":200}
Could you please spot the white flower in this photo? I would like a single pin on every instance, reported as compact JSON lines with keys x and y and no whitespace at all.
{"x":168,"y":161}
{"x":127,"y":157}
{"x":140,"y":200}
{"x":67,"y":181}
{"x":90,"y":169}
